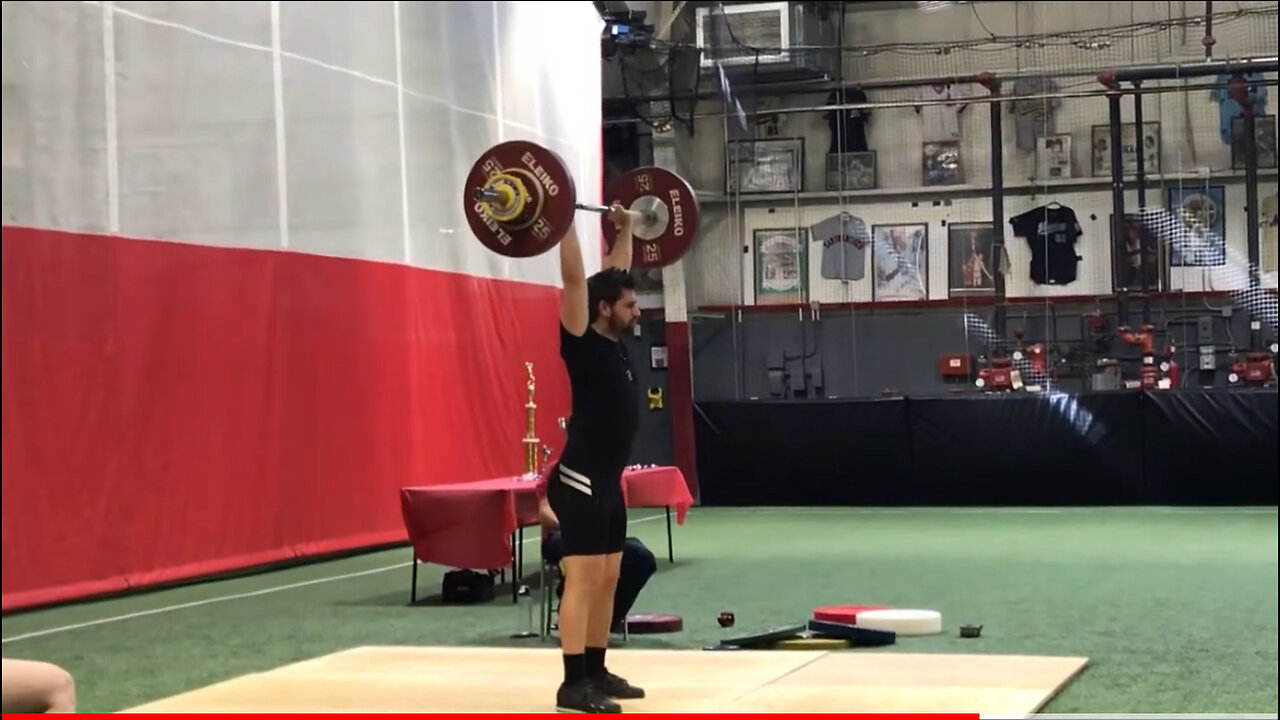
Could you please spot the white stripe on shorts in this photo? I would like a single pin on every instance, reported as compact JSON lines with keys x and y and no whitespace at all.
{"x":575,"y":480}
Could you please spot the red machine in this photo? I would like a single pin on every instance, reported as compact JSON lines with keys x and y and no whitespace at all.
{"x":1150,"y":375}
{"x":1254,"y":369}
{"x":997,"y":376}
{"x":1037,"y":358}
{"x":1097,"y":322}
{"x":1172,"y":372}
{"x":1143,"y":338}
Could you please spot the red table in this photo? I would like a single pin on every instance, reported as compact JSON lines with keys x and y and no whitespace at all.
{"x":479,"y":525}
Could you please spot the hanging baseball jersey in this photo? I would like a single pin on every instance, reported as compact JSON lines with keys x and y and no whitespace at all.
{"x":1229,"y":109}
{"x":941,"y":123}
{"x":1034,"y":117}
{"x":1051,"y":231}
{"x":844,"y":240}
{"x":848,"y":126}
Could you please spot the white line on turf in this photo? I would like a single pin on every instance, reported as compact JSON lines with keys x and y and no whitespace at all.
{"x":238,"y":596}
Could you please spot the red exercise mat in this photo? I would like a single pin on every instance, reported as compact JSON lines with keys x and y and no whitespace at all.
{"x":847,"y":614}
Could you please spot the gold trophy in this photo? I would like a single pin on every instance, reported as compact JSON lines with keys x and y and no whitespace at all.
{"x":530,"y":432}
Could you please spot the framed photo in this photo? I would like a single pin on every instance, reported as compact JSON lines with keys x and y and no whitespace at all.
{"x":781,"y":266}
{"x":1053,"y":157}
{"x":941,"y":163}
{"x":851,"y":171}
{"x":1137,"y":258}
{"x":658,"y":357}
{"x":900,"y":262}
{"x":1203,"y":241}
{"x":765,"y":166}
{"x":1130,"y":142}
{"x":1264,"y":143}
{"x":971,"y":259}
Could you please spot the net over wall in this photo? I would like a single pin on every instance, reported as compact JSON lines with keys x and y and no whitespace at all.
{"x":852,"y":240}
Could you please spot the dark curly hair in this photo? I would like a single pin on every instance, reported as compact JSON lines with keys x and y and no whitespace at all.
{"x":607,"y":286}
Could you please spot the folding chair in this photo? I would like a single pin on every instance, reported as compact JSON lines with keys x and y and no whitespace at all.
{"x":552,"y":576}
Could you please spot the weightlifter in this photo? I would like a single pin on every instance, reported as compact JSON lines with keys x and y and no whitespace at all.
{"x":584,"y":488}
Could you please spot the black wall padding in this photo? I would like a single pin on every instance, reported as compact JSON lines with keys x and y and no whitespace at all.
{"x":1122,"y":448}
{"x":810,"y":453}
{"x":1213,"y":448}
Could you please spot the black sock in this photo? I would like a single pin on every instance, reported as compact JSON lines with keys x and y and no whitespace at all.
{"x":575,"y":669}
{"x":595,"y":661}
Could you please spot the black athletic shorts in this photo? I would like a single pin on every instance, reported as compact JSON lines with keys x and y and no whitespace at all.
{"x":590,"y":508}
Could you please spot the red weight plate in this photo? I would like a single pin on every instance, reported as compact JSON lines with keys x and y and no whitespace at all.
{"x":847,"y":614}
{"x":650,"y":623}
{"x":675,"y":215}
{"x":551,"y":206}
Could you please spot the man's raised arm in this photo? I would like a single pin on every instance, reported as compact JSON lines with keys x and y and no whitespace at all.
{"x":573,"y":303}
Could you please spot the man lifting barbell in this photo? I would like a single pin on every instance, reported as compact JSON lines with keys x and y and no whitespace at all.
{"x":521,"y":202}
{"x":584,"y":487}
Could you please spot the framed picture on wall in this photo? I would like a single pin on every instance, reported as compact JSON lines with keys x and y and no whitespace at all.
{"x":1264,"y":141}
{"x":781,"y":265}
{"x":851,"y":171}
{"x":1138,"y":261}
{"x":765,"y":166}
{"x":1053,"y":157}
{"x":940,"y":164}
{"x":1130,"y":142}
{"x":1202,"y":241}
{"x":900,"y":262}
{"x":971,"y":259}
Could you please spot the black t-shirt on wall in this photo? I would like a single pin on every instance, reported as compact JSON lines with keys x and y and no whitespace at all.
{"x":1051,"y":231}
{"x":848,"y":127}
{"x":606,"y":407}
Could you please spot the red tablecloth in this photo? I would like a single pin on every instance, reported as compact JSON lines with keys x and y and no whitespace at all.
{"x":469,"y":525}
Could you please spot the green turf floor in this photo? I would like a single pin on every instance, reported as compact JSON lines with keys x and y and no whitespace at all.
{"x":1177,"y":608}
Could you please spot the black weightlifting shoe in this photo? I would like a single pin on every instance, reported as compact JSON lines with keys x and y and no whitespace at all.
{"x":584,"y":697}
{"x":616,"y":687}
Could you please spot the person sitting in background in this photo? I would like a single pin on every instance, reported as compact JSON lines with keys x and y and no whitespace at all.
{"x":638,"y":563}
{"x":30,"y":686}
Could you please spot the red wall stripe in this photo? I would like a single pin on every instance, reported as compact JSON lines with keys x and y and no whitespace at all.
{"x":172,"y":410}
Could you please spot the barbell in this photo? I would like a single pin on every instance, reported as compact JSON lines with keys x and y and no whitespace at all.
{"x":521,"y":200}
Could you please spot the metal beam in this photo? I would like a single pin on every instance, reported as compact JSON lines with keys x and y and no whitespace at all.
{"x":1176,"y":71}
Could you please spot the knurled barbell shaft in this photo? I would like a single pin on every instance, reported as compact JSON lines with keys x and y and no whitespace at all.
{"x":602,"y":209}
{"x":495,"y":196}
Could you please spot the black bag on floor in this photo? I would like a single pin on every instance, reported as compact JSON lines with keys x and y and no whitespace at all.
{"x":465,"y":587}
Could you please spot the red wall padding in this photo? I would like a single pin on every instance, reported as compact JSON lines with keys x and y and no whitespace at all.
{"x":680,"y":403}
{"x":173,"y":410}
